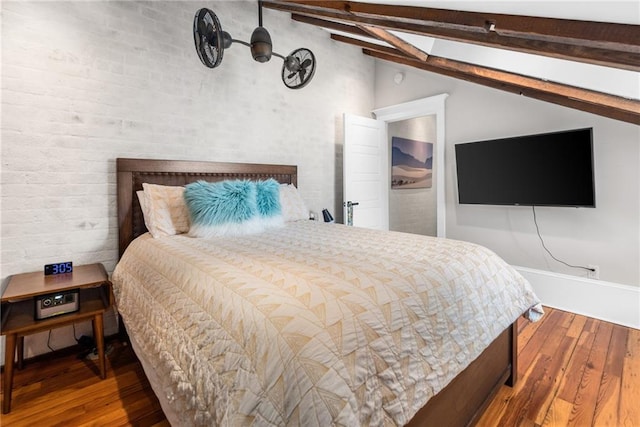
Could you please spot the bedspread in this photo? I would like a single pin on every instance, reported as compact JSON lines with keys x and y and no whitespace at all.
{"x":313,"y":324}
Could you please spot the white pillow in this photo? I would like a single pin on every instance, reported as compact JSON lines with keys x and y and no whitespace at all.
{"x":144,"y":207}
{"x":292,"y":205}
{"x":166,"y":210}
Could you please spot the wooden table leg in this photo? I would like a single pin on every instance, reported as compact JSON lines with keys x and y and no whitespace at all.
{"x":21,"y":352}
{"x":513,"y":341}
{"x":9,"y":357}
{"x":98,"y":336}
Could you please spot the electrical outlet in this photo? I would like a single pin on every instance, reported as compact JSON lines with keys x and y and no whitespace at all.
{"x":594,"y":273}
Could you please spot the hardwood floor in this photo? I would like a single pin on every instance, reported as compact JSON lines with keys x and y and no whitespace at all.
{"x":67,"y":391}
{"x":573,"y":371}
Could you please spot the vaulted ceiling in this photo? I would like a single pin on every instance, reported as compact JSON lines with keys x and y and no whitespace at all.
{"x":399,"y":33}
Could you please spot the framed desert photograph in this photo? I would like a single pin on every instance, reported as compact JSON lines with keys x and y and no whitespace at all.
{"x":411,"y":163}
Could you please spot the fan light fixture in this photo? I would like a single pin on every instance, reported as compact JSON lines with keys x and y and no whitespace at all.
{"x":297,"y":69}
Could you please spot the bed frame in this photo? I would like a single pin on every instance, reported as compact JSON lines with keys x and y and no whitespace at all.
{"x":133,"y":172}
{"x":459,"y":404}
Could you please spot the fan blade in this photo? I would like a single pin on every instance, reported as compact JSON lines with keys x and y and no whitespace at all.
{"x":302,"y":71}
{"x":202,"y":27}
{"x":306,"y":63}
{"x":211,"y":33}
{"x":290,"y":76}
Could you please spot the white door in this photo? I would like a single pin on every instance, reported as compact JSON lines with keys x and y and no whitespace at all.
{"x":366,"y":171}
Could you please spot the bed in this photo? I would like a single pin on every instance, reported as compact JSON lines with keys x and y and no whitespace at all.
{"x":257,"y":329}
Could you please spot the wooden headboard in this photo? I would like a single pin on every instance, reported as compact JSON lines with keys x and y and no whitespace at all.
{"x":133,"y":172}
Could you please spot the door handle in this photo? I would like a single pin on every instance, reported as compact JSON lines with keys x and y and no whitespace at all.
{"x":350,"y":206}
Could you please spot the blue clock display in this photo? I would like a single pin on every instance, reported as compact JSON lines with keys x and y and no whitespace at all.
{"x":58,"y":268}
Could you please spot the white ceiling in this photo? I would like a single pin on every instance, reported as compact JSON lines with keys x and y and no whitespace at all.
{"x":614,"y":81}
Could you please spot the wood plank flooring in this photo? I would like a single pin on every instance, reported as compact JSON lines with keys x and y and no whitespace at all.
{"x":573,"y":371}
{"x":67,"y":391}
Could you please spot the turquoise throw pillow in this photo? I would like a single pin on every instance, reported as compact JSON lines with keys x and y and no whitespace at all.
{"x":268,"y":198}
{"x":268,"y":201}
{"x":222,"y":208}
{"x":233,"y":207}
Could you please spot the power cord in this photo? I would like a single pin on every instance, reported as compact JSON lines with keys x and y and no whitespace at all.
{"x":87,"y":344}
{"x":49,"y":341}
{"x":535,"y":221}
{"x":74,"y":336}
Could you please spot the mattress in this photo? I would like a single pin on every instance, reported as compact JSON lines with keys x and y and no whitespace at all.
{"x":312,"y":324}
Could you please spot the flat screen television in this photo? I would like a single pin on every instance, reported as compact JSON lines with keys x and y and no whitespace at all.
{"x":550,"y":169}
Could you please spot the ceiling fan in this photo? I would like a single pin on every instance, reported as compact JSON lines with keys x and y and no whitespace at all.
{"x":210,"y":40}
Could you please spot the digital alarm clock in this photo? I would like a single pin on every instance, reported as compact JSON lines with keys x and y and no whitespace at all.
{"x":58,"y":268}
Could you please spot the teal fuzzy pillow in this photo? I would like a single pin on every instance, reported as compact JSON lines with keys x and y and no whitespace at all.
{"x":268,"y":201}
{"x":268,"y":198}
{"x":222,"y":208}
{"x":233,"y":207}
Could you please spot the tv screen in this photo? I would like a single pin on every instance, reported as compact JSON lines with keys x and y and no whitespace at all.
{"x":551,"y":169}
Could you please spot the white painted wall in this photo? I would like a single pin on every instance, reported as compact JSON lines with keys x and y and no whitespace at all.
{"x":86,"y":82}
{"x":607,"y":236}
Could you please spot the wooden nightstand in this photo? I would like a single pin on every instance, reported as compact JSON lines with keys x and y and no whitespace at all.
{"x":18,"y":308}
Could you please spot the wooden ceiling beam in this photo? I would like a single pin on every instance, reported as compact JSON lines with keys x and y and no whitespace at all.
{"x":599,"y":103}
{"x":366,"y":45}
{"x":330,"y":25}
{"x":603,"y":104}
{"x":600,"y":43}
{"x":609,"y":35}
{"x":395,"y":41}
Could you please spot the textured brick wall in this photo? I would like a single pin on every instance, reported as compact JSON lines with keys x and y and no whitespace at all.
{"x":86,"y":82}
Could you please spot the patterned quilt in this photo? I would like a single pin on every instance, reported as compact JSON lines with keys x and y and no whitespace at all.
{"x":313,"y":324}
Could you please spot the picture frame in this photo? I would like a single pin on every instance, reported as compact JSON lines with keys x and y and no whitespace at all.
{"x":411,"y":163}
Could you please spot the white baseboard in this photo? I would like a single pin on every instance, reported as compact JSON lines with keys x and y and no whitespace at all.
{"x":602,"y":300}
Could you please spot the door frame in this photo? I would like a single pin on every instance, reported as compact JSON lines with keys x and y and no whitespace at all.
{"x":432,"y":105}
